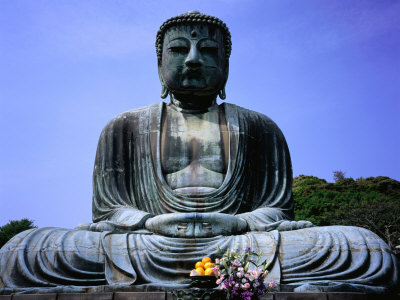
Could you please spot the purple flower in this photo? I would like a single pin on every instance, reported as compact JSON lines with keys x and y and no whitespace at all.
{"x":246,"y":295}
{"x":236,"y":263}
{"x":248,"y":250}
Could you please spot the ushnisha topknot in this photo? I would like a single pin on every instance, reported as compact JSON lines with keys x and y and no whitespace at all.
{"x":193,"y":17}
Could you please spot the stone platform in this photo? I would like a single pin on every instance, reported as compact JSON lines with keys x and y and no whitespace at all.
{"x":170,"y":296}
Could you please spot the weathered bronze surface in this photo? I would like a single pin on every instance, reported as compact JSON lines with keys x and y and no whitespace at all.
{"x":173,"y":181}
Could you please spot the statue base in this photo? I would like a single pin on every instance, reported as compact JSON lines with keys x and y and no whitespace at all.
{"x":196,"y":294}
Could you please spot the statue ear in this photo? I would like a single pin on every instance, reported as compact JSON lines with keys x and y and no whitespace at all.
{"x":164,"y":89}
{"x":222,"y":93}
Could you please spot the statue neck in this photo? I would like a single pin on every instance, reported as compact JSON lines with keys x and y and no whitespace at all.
{"x":192,"y":103}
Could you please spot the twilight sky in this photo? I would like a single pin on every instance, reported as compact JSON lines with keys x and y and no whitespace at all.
{"x":327,"y":72}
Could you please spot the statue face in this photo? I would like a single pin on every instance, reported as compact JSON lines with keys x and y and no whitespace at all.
{"x":193,"y":60}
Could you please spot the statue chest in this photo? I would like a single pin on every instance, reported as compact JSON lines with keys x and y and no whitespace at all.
{"x":193,"y":149}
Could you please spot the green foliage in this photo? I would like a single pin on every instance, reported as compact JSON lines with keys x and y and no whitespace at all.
{"x":372,"y":203}
{"x":12,"y":228}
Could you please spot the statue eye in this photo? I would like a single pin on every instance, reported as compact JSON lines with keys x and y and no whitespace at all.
{"x":179,"y":49}
{"x":209,"y":50}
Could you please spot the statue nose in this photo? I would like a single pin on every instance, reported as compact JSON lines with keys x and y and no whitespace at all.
{"x":193,"y":59}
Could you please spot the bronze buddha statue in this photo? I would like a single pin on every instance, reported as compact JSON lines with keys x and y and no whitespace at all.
{"x":172,"y":182}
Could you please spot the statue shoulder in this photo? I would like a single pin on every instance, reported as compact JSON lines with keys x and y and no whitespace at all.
{"x":134,"y":118}
{"x":252,"y":117}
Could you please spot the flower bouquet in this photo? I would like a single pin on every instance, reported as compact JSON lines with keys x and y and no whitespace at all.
{"x":241,"y":276}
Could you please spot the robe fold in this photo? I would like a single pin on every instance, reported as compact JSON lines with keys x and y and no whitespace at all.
{"x":128,"y":179}
{"x":129,"y":188}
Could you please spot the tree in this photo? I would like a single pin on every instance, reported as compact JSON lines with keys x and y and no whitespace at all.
{"x":12,"y":228}
{"x":372,"y":203}
{"x":338,"y":175}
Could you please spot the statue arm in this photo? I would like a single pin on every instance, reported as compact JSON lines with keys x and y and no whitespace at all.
{"x":114,"y":204}
{"x":271,"y":207}
{"x":270,"y":218}
{"x":121,"y":219}
{"x":129,"y":218}
{"x":263,"y":218}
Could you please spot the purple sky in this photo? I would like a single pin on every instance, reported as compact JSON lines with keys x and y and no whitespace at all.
{"x":327,"y":72}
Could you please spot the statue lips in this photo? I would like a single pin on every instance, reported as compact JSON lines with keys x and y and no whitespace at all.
{"x":192,"y":72}
{"x":193,"y":78}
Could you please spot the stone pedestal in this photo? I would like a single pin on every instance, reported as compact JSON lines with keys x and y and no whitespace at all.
{"x":197,"y":294}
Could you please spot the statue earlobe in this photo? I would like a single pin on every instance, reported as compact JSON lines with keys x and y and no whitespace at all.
{"x":164,"y":91}
{"x":222,"y":94}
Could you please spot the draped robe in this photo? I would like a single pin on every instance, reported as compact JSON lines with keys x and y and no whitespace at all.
{"x":129,"y":187}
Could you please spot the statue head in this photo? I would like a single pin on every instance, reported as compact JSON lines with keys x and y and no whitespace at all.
{"x":193,"y":52}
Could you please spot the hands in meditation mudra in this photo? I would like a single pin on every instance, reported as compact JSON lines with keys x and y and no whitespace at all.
{"x":172,"y":182}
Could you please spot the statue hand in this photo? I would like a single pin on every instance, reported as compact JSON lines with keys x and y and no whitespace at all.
{"x":294,"y":225}
{"x":198,"y":225}
{"x":101,"y":226}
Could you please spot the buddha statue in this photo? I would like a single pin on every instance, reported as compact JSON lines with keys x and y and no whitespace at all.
{"x":173,"y":182}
